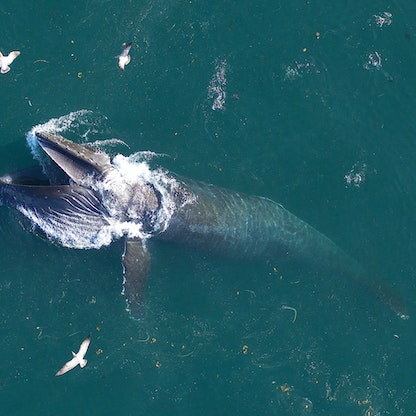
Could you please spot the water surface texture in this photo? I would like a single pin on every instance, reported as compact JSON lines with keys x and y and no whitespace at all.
{"x":309,"y":103}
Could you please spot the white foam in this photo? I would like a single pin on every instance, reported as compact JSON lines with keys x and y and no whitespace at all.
{"x":217,"y":86}
{"x":129,"y":173}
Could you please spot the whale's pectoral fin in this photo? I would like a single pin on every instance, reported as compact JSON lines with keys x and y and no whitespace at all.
{"x":136,"y":266}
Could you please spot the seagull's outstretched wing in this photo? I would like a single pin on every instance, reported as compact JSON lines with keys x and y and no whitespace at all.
{"x":68,"y":366}
{"x":84,"y":347}
{"x":126,"y":49}
{"x":12,"y":56}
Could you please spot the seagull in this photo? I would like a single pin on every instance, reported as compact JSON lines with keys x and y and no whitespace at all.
{"x":124,"y":57}
{"x":78,"y":358}
{"x":5,"y":61}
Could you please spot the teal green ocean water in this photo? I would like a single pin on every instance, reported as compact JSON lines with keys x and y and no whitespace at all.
{"x":309,"y":103}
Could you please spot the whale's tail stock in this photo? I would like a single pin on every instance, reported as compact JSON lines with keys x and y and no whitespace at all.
{"x":386,"y":295}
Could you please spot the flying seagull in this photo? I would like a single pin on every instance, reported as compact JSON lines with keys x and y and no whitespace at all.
{"x":124,"y":57}
{"x":78,"y":358}
{"x":5,"y":61}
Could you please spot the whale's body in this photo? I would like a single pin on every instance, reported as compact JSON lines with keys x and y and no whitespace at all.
{"x":96,"y":200}
{"x":245,"y":226}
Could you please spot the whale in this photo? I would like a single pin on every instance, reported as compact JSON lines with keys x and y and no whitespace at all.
{"x":83,"y":197}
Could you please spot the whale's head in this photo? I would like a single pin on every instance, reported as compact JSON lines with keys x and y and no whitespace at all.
{"x":83,"y":198}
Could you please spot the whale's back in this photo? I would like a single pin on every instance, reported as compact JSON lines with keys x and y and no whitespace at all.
{"x":244,"y":226}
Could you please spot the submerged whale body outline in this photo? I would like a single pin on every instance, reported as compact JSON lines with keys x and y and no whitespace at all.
{"x":95,"y":199}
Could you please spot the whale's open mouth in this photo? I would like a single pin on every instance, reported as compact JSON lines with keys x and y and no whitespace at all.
{"x":80,"y":197}
{"x":71,"y":214}
{"x":71,"y":200}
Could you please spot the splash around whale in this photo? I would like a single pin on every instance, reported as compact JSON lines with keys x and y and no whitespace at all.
{"x":83,"y":198}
